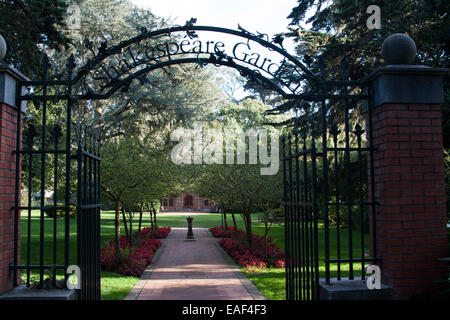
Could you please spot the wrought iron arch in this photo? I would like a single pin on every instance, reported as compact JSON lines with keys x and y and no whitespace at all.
{"x":113,"y":68}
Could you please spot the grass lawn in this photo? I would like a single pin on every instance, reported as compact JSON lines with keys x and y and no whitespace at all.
{"x":271,"y":282}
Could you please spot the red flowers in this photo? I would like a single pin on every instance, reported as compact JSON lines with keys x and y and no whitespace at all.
{"x":252,"y":258}
{"x":133,"y":260}
{"x":220,"y":232}
{"x":160,"y":233}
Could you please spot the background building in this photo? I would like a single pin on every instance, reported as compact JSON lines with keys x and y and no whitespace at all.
{"x":188,"y":202}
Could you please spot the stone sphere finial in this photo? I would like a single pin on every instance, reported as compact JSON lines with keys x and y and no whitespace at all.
{"x":2,"y":48}
{"x":399,"y":48}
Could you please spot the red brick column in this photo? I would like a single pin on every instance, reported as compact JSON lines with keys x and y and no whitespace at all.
{"x":410,"y":188}
{"x":8,"y":129}
{"x":9,"y":77}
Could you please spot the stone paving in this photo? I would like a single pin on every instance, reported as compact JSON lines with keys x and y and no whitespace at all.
{"x":194,"y":270}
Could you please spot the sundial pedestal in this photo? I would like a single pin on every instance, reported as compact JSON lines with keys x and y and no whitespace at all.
{"x":190,"y":234}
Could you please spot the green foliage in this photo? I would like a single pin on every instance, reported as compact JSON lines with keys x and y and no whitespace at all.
{"x":338,"y":29}
{"x":60,"y":213}
{"x":29,"y":26}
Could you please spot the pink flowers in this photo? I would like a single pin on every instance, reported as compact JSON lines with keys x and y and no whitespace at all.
{"x":133,"y":260}
{"x":254,"y":258}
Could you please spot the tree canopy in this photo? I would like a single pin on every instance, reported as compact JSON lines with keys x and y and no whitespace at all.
{"x":338,"y":29}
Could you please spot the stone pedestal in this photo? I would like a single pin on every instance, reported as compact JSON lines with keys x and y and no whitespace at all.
{"x":352,"y":290}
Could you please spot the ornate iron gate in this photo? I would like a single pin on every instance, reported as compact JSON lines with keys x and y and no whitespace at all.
{"x":307,"y":154}
{"x":72,"y":156}
{"x":301,"y":218}
{"x":328,"y":191}
{"x":88,"y":212}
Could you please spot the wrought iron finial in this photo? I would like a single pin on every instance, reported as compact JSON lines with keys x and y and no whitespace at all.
{"x":322,"y":65}
{"x":358,"y":131}
{"x":189,"y":24}
{"x":304,"y":134}
{"x":278,"y":39}
{"x":344,"y":67}
{"x":71,"y":63}
{"x":103,"y":47}
{"x":335,"y":130}
{"x":56,"y":133}
{"x":307,"y":60}
{"x":45,"y":63}
{"x":31,"y":134}
{"x":88,"y":44}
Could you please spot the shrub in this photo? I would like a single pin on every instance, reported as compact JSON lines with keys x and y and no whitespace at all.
{"x":160,"y":233}
{"x":60,"y":213}
{"x":220,"y":232}
{"x":134,"y":260}
{"x":252,"y":258}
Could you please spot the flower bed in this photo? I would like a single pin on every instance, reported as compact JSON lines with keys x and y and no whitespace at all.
{"x":160,"y":233}
{"x":252,"y":258}
{"x":220,"y":232}
{"x":133,"y":260}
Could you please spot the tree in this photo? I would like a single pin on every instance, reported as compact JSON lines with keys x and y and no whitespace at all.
{"x":239,"y":187}
{"x":29,"y":26}
{"x":339,"y":29}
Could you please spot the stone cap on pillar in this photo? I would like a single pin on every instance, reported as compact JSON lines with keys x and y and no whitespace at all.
{"x":9,"y":77}
{"x":402,"y":82}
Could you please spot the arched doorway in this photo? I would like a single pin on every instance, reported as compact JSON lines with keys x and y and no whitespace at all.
{"x":188,"y":202}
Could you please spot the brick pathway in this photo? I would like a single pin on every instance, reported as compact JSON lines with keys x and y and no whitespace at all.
{"x":194,"y":270}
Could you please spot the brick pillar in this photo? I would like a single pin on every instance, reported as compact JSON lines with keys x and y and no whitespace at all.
{"x":8,"y":129}
{"x":409,"y":178}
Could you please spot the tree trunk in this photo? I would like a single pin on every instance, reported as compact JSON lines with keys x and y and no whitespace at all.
{"x":154,"y":217}
{"x":141,"y":212}
{"x":125,"y":224}
{"x":225,"y":223}
{"x":130,"y":215}
{"x":248,"y":227}
{"x":117,"y":232}
{"x":234,"y":221}
{"x":150,"y":213}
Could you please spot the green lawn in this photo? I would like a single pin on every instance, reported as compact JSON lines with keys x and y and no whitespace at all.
{"x":270,"y":282}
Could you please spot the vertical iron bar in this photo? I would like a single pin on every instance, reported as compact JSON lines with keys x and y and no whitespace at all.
{"x":67,"y":190}
{"x":55,"y":204}
{"x":286,"y":217}
{"x":325,"y":190}
{"x":361,"y":199}
{"x":372,"y":172}
{"x":307,"y":211}
{"x":80,"y":253}
{"x":17,"y":185}
{"x":315,"y":287}
{"x":348,"y":174}
{"x":291,"y":225}
{"x":30,"y":181}
{"x":297,"y":220}
{"x":338,"y":228}
{"x":43,"y":164}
